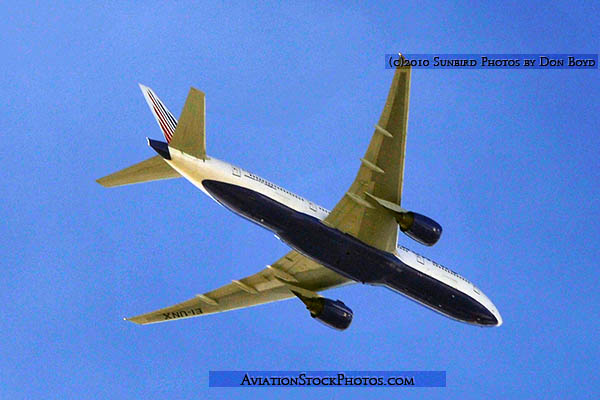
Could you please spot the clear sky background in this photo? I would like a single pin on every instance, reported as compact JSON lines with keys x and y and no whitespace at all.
{"x":506,"y":161}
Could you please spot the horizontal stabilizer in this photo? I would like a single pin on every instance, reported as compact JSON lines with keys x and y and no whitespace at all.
{"x":152,"y":169}
{"x":189,"y":136}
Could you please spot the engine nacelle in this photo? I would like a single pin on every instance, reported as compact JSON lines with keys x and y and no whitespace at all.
{"x":416,"y":226}
{"x":419,"y":227}
{"x":332,"y":313}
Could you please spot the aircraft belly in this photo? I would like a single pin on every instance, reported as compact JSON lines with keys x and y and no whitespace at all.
{"x":347,"y":255}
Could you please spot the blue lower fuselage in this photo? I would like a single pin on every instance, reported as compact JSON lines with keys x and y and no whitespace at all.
{"x":347,"y":255}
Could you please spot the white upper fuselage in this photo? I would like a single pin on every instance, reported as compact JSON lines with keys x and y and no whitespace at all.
{"x":196,"y":170}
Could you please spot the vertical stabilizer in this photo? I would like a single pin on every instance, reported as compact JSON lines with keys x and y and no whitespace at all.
{"x":187,"y":135}
{"x":163,"y":116}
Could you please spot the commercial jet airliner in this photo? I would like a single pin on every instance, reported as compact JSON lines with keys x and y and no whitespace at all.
{"x":354,"y":242}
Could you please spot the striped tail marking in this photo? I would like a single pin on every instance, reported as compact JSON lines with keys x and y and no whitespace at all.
{"x":161,"y":113}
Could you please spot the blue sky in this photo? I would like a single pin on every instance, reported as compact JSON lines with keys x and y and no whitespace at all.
{"x":506,"y":161}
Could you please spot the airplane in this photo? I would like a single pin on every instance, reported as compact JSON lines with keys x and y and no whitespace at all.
{"x":354,"y":242}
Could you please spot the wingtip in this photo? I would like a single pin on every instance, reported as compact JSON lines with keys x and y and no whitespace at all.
{"x":131,"y":319}
{"x":101,"y":182}
{"x":136,"y":320}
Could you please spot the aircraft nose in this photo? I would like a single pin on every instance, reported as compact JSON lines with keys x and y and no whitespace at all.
{"x":489,"y":316}
{"x":495,"y":319}
{"x":498,"y":318}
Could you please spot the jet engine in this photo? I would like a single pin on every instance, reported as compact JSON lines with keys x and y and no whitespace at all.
{"x":332,"y":313}
{"x":416,"y":226}
{"x":419,"y":227}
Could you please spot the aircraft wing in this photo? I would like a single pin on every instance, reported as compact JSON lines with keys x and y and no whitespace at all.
{"x":291,"y":272}
{"x":380,"y":175}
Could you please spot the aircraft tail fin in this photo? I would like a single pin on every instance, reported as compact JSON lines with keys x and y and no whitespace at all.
{"x":187,"y":135}
{"x":163,"y":116}
{"x":152,"y":169}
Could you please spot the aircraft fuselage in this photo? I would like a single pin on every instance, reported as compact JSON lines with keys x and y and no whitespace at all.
{"x":298,"y":223}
